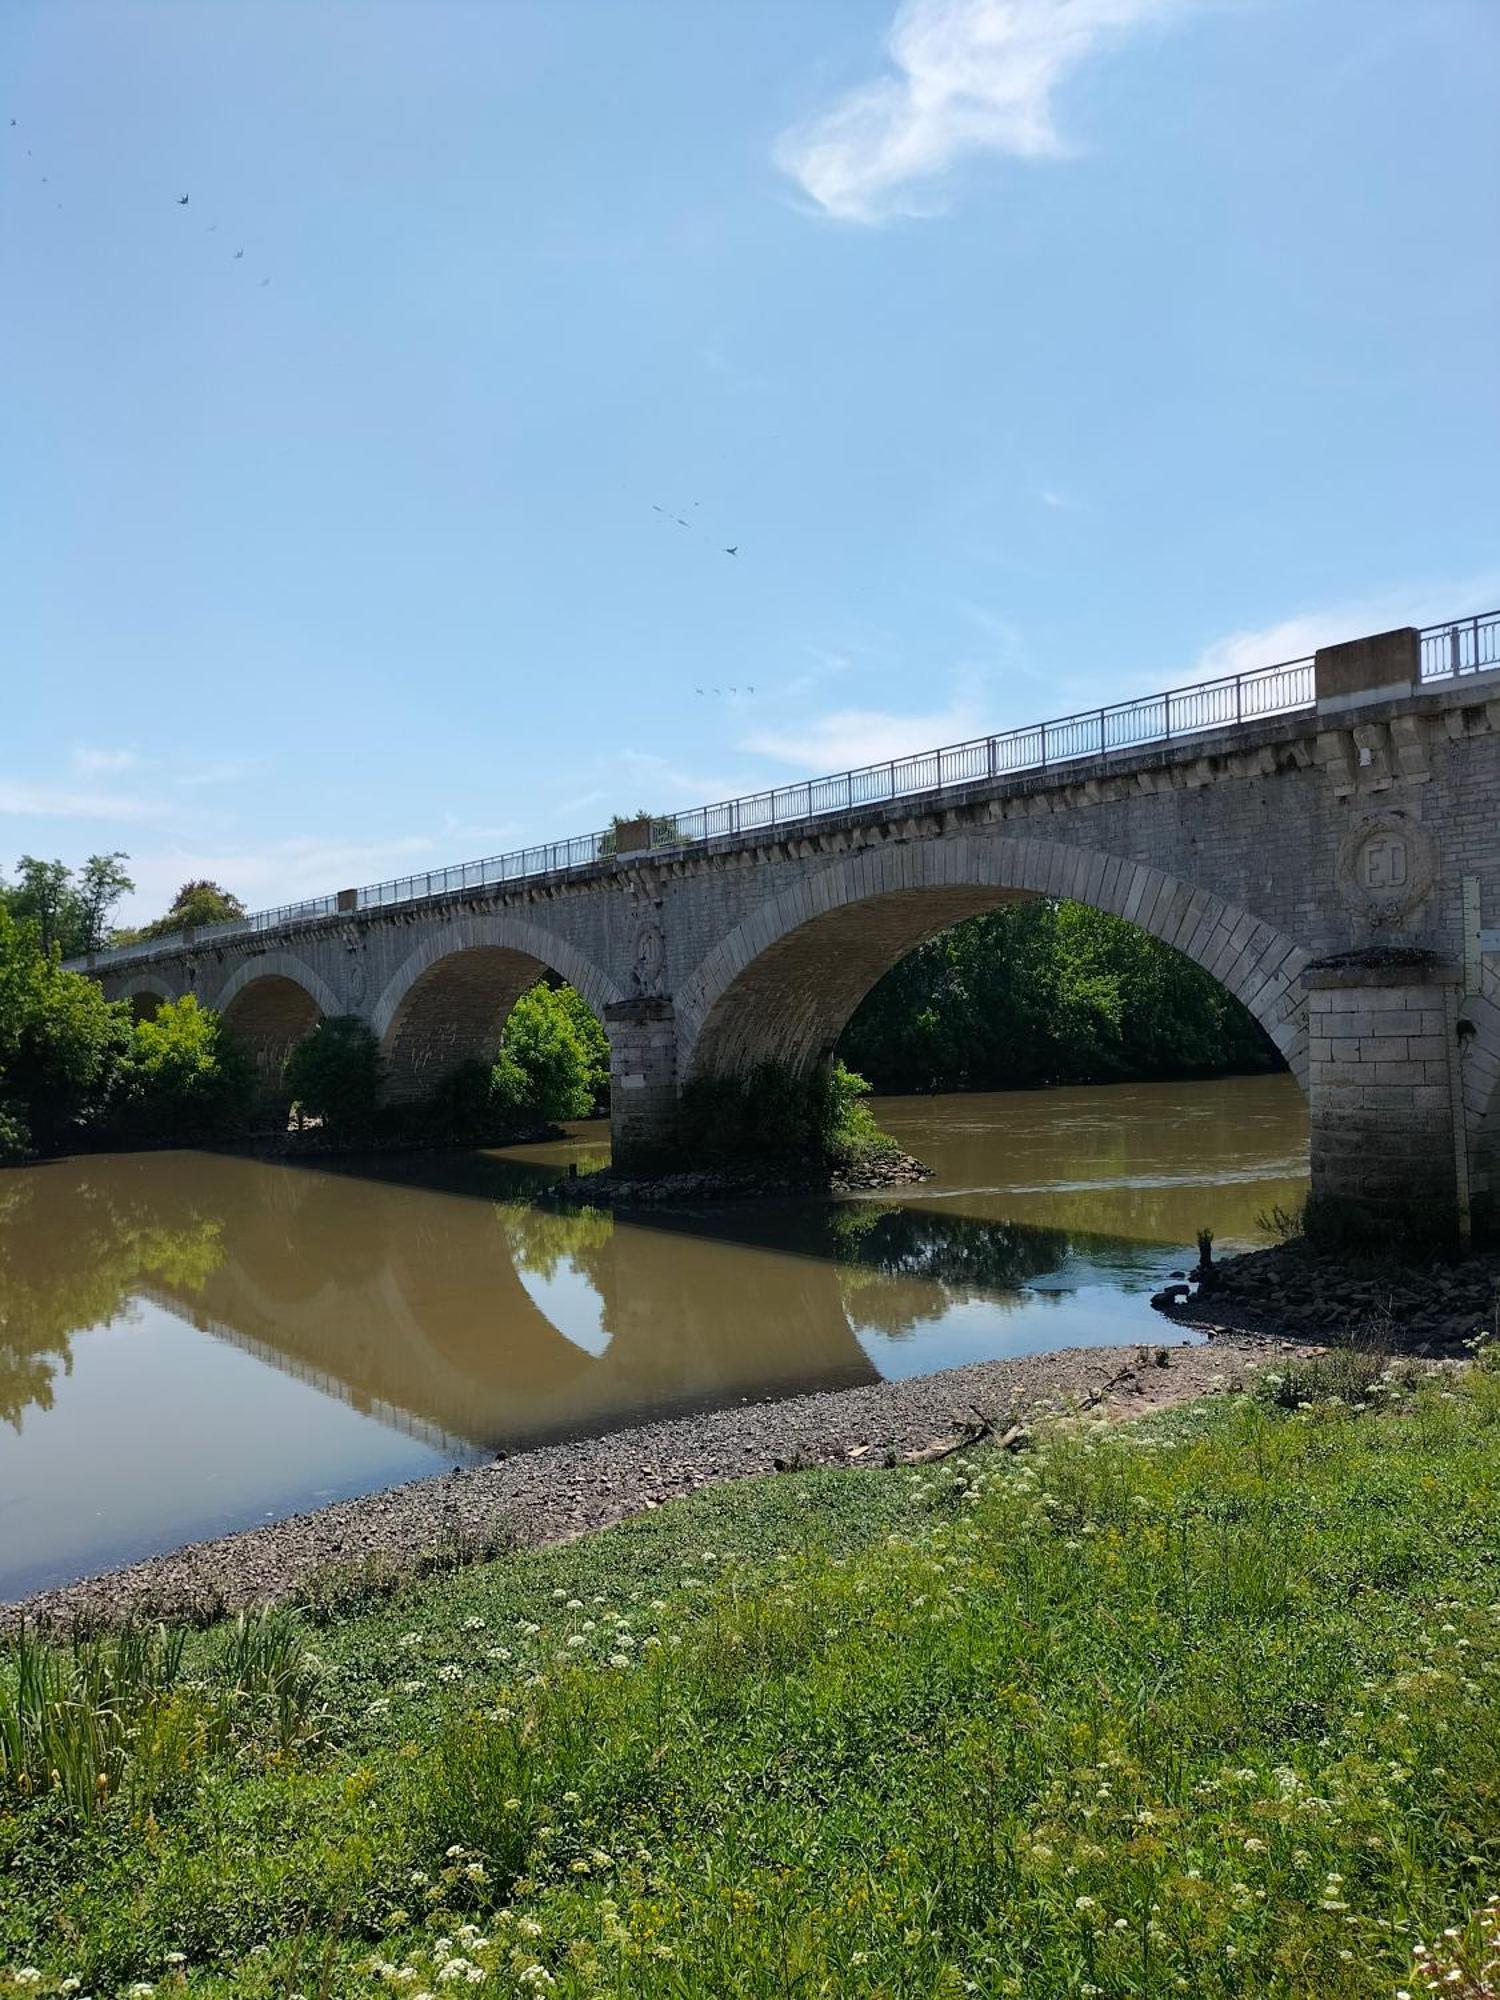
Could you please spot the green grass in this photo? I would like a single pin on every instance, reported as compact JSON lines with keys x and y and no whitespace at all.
{"x":1210,"y":1707}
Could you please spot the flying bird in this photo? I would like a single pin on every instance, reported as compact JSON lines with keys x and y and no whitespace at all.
{"x":734,"y":551}
{"x":182,"y":201}
{"x":265,"y":281}
{"x":237,"y":255}
{"x":697,"y":690}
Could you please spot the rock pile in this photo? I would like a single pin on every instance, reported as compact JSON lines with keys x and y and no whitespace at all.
{"x":1293,"y":1291}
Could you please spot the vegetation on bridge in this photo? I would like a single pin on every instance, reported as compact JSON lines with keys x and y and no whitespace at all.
{"x":1205,"y":1707}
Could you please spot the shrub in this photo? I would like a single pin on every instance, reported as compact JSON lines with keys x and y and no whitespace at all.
{"x":185,"y":1077}
{"x":775,"y":1109}
{"x":335,"y":1074}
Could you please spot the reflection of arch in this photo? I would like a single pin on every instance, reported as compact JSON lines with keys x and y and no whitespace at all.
{"x":448,"y":1001}
{"x":145,"y":993}
{"x":783,"y":984}
{"x":269,"y":1004}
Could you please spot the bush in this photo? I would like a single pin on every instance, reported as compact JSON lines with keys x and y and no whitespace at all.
{"x":776,"y":1109}
{"x":185,"y":1077}
{"x":335,"y":1074}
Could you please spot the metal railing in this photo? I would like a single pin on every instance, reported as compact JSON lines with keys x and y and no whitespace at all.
{"x":1462,"y":646}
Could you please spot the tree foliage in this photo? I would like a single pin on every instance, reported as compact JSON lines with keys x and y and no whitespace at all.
{"x":553,"y":1058}
{"x":195,"y":906}
{"x":1046,"y":992}
{"x":69,"y":911}
{"x":335,"y":1074}
{"x":61,"y":1044}
{"x":184,"y":1077}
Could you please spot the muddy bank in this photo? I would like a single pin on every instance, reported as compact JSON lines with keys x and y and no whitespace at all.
{"x":1292,"y":1291}
{"x":568,"y":1489}
{"x":738,"y":1181}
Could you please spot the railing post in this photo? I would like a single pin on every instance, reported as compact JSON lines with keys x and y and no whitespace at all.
{"x":1239,"y":689}
{"x":990,"y":746}
{"x":1101,"y":732}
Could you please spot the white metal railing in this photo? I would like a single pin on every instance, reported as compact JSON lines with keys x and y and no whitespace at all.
{"x":1462,"y":646}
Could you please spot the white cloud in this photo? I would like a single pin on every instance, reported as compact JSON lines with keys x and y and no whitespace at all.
{"x":50,"y":802}
{"x":1293,"y":638}
{"x":91,"y":761}
{"x":972,"y":76}
{"x":849,"y":737}
{"x":278,"y":871}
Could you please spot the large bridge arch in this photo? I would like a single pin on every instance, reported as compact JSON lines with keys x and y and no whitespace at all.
{"x":783,"y":984}
{"x":448,"y":1000}
{"x":269,"y":1003}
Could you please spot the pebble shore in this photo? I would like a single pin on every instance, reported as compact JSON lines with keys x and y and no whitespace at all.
{"x":563,"y":1490}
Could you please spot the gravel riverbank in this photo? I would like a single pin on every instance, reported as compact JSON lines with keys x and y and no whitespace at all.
{"x":562,"y":1490}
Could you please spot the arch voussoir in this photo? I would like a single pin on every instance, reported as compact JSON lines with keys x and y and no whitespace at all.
{"x":757,"y":993}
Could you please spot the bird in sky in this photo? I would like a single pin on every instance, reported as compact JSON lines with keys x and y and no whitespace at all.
{"x":237,"y":255}
{"x":749,"y":690}
{"x":265,"y":281}
{"x":182,"y":201}
{"x":734,"y":551}
{"x":697,"y":690}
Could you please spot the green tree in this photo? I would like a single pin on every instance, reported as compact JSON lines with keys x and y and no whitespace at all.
{"x":184,"y":1077}
{"x":196,"y":905}
{"x":335,"y":1074}
{"x":1045,"y":992}
{"x":102,"y":881}
{"x":69,"y":912}
{"x":61,"y":1043}
{"x":548,"y":1066}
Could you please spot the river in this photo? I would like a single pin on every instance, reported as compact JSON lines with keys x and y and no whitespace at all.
{"x":192,"y":1342}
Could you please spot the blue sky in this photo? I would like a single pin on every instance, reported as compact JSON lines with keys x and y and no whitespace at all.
{"x":1033,"y":353}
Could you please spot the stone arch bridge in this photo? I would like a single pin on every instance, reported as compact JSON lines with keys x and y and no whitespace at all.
{"x":1322,"y":837}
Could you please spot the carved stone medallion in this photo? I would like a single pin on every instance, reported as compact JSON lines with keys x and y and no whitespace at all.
{"x":1386,"y":865}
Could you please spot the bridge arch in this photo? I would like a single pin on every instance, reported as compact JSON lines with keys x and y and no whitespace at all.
{"x":448,"y":1001}
{"x":269,"y":1003}
{"x":783,"y":984}
{"x":145,"y":993}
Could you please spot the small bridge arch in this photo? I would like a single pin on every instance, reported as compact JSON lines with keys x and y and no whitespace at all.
{"x":145,"y":994}
{"x":269,"y":1003}
{"x":782,"y":985}
{"x":449,"y":999}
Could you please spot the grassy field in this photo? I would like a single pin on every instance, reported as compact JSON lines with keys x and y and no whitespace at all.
{"x":1210,"y":1707}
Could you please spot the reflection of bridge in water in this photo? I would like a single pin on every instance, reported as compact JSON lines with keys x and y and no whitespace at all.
{"x":411,"y":1304}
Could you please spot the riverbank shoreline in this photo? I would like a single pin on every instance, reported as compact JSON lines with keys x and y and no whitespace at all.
{"x":558,"y":1492}
{"x":1291,"y":1291}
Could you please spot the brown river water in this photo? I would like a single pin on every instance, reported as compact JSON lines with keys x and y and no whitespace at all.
{"x":192,"y":1343}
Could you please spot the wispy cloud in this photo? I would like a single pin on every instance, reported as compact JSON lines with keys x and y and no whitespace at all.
{"x":92,"y":761}
{"x":847,"y":737}
{"x":277,"y":871}
{"x":52,"y":802}
{"x":1294,"y":637}
{"x":971,"y":76}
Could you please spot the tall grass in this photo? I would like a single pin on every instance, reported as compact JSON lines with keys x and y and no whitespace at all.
{"x":116,"y":1716}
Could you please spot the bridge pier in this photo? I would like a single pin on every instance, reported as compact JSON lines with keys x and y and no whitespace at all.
{"x":642,"y":1079}
{"x":1385,"y":1112}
